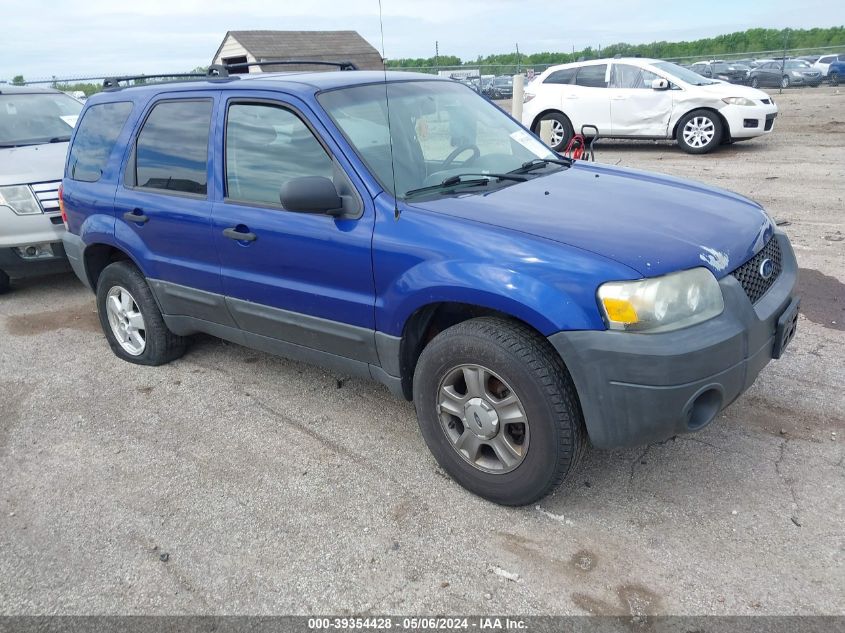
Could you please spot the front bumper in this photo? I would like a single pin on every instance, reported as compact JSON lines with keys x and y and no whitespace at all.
{"x":16,"y":266}
{"x":736,"y":117}
{"x":641,"y":388}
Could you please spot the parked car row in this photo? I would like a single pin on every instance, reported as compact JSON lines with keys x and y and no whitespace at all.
{"x":810,"y":70}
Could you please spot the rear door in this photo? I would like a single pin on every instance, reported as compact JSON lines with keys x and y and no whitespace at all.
{"x":636,"y":109}
{"x":588,"y":100}
{"x":304,"y":278}
{"x":163,"y":211}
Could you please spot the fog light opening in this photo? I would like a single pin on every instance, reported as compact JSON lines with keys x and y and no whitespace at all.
{"x":703,"y":409}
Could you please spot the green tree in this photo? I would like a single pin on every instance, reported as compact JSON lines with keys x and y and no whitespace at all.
{"x":18,"y":80}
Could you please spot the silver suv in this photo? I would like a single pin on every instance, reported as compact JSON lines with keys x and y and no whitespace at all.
{"x":35,"y":127}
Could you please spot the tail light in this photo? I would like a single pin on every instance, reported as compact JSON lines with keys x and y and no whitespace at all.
{"x":62,"y":207}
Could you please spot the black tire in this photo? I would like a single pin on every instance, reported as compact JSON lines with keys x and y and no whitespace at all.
{"x":527,"y":363}
{"x":755,"y":82}
{"x":568,"y":131}
{"x":161,"y":345}
{"x":5,"y":283}
{"x":713,"y":143}
{"x":784,"y":81}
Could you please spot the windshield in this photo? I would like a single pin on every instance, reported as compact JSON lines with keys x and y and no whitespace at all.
{"x":796,"y":64}
{"x":684,"y":74}
{"x":34,"y":118}
{"x":439,"y":129}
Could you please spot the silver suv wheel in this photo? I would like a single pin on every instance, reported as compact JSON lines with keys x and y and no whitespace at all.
{"x":483,"y":419}
{"x":126,"y":321}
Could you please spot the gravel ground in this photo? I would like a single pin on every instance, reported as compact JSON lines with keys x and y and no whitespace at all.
{"x":235,"y":482}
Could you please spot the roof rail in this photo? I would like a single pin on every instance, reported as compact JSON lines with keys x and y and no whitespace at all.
{"x":290,"y":62}
{"x":215,"y":70}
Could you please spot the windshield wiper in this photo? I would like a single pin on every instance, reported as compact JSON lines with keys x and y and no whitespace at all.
{"x":458,"y":180}
{"x":536,"y":163}
{"x":59,"y":139}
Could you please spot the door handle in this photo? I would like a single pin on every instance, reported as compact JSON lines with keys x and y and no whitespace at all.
{"x":241,"y":236}
{"x":137,"y":216}
{"x":619,"y":97}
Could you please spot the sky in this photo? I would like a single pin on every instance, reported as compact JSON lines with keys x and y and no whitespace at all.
{"x":76,"y":38}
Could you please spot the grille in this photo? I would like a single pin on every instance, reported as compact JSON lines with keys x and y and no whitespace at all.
{"x":748,"y":275}
{"x":47,"y":194}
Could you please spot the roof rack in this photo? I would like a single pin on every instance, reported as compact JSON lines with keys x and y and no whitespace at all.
{"x":215,"y":70}
{"x":291,"y":62}
{"x":222,"y":70}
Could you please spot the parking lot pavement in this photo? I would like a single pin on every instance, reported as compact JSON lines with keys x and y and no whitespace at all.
{"x":234,"y":482}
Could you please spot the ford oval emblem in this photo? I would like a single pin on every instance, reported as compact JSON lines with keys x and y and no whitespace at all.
{"x":767,"y":267}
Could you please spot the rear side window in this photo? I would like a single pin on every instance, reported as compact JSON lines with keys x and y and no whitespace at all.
{"x":561,"y":76}
{"x":100,"y":126}
{"x":592,"y":76}
{"x":172,"y":148}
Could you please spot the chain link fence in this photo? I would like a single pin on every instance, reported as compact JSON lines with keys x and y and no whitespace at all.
{"x":469,"y":69}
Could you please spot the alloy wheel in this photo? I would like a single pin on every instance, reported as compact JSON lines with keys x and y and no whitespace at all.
{"x":126,"y":321}
{"x":483,"y":419}
{"x":699,"y":131}
{"x":558,"y":133}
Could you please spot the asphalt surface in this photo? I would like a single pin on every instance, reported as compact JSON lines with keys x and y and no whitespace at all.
{"x":234,"y":482}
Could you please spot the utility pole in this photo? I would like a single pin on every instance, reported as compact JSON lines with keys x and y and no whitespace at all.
{"x":518,"y":65}
{"x":436,"y":55}
{"x":783,"y":59}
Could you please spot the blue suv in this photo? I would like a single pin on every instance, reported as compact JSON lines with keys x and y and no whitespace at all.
{"x":402,"y":228}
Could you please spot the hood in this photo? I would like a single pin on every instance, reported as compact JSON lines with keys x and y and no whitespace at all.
{"x":721,"y":90}
{"x":652,"y":223}
{"x":32,"y":163}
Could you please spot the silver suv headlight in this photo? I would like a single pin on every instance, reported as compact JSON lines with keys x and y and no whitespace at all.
{"x":20,"y":199}
{"x":661,"y":304}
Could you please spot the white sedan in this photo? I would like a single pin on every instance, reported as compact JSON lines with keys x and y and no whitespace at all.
{"x":645,"y":99}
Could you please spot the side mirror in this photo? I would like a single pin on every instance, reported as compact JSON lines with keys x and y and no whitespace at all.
{"x":659,"y":84}
{"x":311,"y":194}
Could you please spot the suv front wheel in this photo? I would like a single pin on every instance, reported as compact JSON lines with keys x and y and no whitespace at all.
{"x":498,"y":410}
{"x":131,"y":320}
{"x":699,"y":132}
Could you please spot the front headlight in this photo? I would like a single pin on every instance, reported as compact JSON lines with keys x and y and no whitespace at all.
{"x":662,"y":303}
{"x":19,"y":198}
{"x":742,"y":101}
{"x":795,"y":73}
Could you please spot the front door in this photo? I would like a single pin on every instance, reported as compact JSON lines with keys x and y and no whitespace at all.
{"x":299,"y":277}
{"x":637,"y":109}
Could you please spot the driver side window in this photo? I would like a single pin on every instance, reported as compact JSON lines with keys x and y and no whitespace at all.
{"x":267,"y":145}
{"x":631,"y":77}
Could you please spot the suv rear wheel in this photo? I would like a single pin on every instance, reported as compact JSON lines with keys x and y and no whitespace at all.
{"x":498,"y":410}
{"x":562,"y":130}
{"x":131,"y":320}
{"x":699,"y":132}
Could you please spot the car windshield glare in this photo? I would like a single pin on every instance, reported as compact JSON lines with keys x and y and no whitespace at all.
{"x":34,"y":118}
{"x":684,"y":74}
{"x":439,"y":129}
